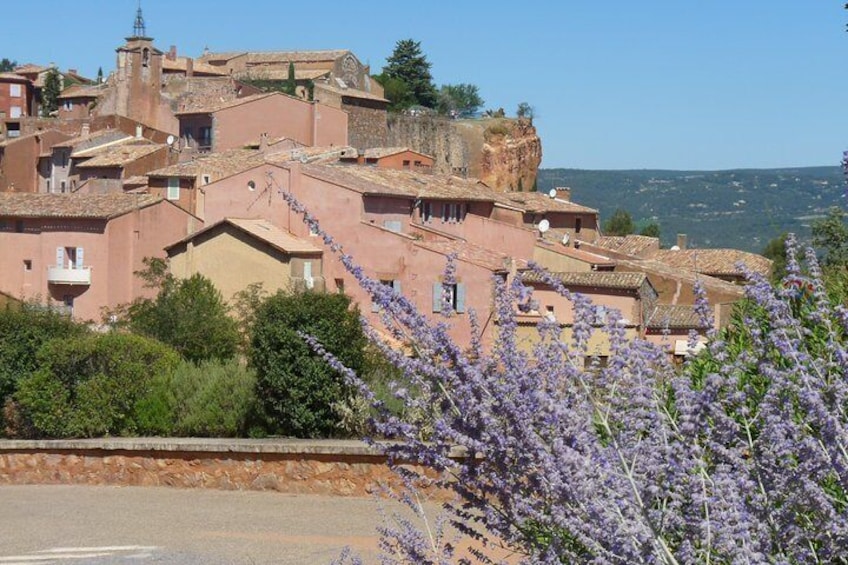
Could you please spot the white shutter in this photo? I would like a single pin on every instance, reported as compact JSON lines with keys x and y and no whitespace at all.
{"x":79,"y":262}
{"x":60,"y":257}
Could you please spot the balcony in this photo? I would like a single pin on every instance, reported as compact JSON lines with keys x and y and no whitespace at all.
{"x":59,"y":275}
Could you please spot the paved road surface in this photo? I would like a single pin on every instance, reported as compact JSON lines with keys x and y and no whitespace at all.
{"x":139,"y":525}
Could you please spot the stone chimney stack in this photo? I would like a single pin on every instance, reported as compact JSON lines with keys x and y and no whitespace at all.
{"x":189,"y":67}
{"x":172,"y":53}
{"x":86,"y":129}
{"x":263,"y":142}
{"x":681,"y":241}
{"x":564,"y":193}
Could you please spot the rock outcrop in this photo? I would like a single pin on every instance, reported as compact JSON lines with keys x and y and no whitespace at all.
{"x":504,"y":153}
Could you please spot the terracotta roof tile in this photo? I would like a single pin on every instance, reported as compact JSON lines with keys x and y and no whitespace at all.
{"x":579,"y":254}
{"x":12,"y":77}
{"x":380,"y":152}
{"x":264,"y":231}
{"x":635,"y":245}
{"x":82,"y":91}
{"x":118,"y":156}
{"x":95,"y":139}
{"x":599,"y":279}
{"x":720,"y":262}
{"x":537,"y":202}
{"x":100,"y":206}
{"x":218,"y":165}
{"x":682,"y":274}
{"x":674,"y":316}
{"x":393,"y":182}
{"x":279,"y":57}
{"x":198,"y":67}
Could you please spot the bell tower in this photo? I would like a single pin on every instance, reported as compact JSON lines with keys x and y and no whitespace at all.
{"x":139,"y":75}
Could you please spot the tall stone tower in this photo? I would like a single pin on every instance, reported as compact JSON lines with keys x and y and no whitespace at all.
{"x":139,"y":76}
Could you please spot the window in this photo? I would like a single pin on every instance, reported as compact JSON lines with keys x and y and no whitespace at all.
{"x":27,"y":264}
{"x":307,"y":275}
{"x":145,"y":57}
{"x":48,"y":185}
{"x":313,"y":230}
{"x":62,"y":186}
{"x":417,"y":163}
{"x":15,"y":90}
{"x":578,"y":223}
{"x":205,"y":136}
{"x":394,"y":284}
{"x":173,"y":188}
{"x":69,"y":105}
{"x":19,"y":226}
{"x":406,"y":163}
{"x":339,"y":286}
{"x":64,"y":159}
{"x":15,"y":112}
{"x":426,"y":211}
{"x":449,"y":294}
{"x":187,"y":134}
{"x":206,"y":179}
{"x":13,"y":130}
{"x":393,"y":225}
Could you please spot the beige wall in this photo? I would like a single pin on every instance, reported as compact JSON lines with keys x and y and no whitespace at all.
{"x":557,"y":262}
{"x":232,"y":260}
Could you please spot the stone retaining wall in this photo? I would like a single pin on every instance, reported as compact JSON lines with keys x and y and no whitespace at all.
{"x":330,"y":467}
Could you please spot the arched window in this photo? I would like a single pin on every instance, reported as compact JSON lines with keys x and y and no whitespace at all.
{"x":145,"y":57}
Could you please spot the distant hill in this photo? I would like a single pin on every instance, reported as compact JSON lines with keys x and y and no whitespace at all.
{"x":742,"y":208}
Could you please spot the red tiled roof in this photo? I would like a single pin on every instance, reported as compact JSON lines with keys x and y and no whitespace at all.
{"x":634,"y":245}
{"x":264,"y":231}
{"x":537,"y":202}
{"x":599,"y":279}
{"x":719,"y":262}
{"x":674,"y":316}
{"x":97,"y":206}
{"x":218,"y":165}
{"x":210,"y":107}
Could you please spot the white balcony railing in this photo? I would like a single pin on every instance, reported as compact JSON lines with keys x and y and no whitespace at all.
{"x":59,"y":275}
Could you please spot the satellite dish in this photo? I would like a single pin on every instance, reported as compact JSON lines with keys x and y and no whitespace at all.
{"x":544,"y":226}
{"x":552,"y":193}
{"x":171,"y":139}
{"x":674,"y":248}
{"x":565,"y":239}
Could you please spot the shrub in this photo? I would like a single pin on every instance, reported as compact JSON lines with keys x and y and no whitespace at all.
{"x":190,"y":316}
{"x":89,"y":386}
{"x":296,"y":387}
{"x":22,"y":332}
{"x":212,"y":399}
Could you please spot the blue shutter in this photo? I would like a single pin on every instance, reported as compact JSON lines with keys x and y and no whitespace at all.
{"x":396,"y":285}
{"x":437,"y":297}
{"x":460,"y":298}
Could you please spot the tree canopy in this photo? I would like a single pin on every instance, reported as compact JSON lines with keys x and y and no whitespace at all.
{"x":7,"y":65}
{"x":460,"y":99}
{"x":620,"y":223}
{"x":189,"y":314}
{"x":50,"y":92}
{"x":408,"y":64}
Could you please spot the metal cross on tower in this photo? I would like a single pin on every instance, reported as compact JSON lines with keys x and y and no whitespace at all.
{"x":139,"y":28}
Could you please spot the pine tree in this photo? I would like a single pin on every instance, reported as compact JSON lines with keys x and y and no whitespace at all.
{"x":50,"y":92}
{"x":408,"y":64}
{"x":290,"y":87}
{"x":99,"y":75}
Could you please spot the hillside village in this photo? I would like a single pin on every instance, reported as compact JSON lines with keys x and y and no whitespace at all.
{"x":182,"y":158}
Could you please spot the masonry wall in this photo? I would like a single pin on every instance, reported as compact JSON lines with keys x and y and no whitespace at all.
{"x":330,"y":468}
{"x":367,"y":124}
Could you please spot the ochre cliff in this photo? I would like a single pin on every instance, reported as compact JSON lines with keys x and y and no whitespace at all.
{"x":503,"y":153}
{"x":511,"y":155}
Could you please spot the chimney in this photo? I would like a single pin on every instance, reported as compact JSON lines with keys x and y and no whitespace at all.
{"x":681,"y":241}
{"x":172,"y":53}
{"x":263,"y":142}
{"x":72,"y":71}
{"x":189,"y":67}
{"x":564,"y":193}
{"x":138,"y":131}
{"x":86,"y":129}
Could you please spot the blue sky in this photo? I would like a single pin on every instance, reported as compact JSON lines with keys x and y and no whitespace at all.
{"x":672,"y":84}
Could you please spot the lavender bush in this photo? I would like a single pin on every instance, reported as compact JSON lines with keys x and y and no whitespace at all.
{"x":739,"y":457}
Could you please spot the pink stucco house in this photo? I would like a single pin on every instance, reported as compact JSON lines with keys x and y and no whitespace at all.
{"x":227,"y":125}
{"x":80,"y":251}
